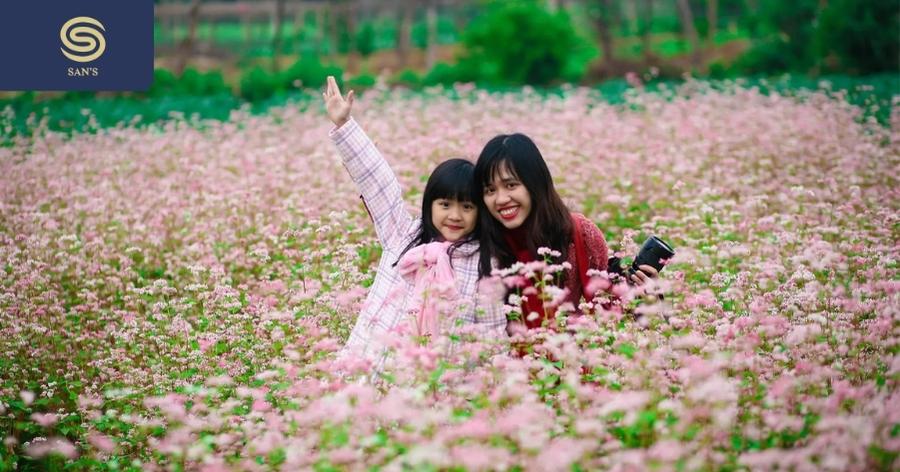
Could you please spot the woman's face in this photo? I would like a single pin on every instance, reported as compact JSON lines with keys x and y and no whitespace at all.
{"x":507,"y":199}
{"x":453,"y":219}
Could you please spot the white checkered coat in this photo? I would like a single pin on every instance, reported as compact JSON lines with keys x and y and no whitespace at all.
{"x":386,"y":306}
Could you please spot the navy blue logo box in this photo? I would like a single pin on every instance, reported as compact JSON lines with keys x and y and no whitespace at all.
{"x":76,"y":45}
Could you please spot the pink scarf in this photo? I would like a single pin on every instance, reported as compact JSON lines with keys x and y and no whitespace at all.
{"x":427,"y":267}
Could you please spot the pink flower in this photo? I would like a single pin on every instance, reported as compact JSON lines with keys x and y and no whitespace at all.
{"x":515,"y":281}
{"x":345,"y":455}
{"x":704,"y":299}
{"x":46,"y":420}
{"x":266,"y":443}
{"x":205,"y":343}
{"x":633,"y":79}
{"x":102,"y":442}
{"x":625,"y":401}
{"x":218,"y":466}
{"x":55,"y":445}
{"x":598,"y":284}
{"x":491,"y":289}
{"x":481,"y":457}
{"x":561,"y":453}
{"x":261,"y":405}
{"x":621,"y":290}
{"x":27,"y":397}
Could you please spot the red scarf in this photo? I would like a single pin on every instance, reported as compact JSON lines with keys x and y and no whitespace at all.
{"x":516,"y":238}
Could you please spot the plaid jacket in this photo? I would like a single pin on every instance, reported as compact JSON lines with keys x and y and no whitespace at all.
{"x":387,"y":302}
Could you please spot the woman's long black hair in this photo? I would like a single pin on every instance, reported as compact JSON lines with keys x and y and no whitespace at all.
{"x":451,"y":179}
{"x":549,"y":223}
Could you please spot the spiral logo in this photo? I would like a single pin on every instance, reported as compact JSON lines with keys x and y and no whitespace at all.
{"x":82,"y":39}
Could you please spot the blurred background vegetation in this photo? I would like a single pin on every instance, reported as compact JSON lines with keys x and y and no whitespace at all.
{"x":213,"y":56}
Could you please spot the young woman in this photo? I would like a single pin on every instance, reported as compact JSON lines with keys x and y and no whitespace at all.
{"x":429,"y":265}
{"x":522,"y":212}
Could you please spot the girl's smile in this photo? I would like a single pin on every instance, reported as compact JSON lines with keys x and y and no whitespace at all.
{"x":453,"y":219}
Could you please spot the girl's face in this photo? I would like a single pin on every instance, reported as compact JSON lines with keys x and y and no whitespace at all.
{"x":453,"y":219}
{"x":507,"y":199}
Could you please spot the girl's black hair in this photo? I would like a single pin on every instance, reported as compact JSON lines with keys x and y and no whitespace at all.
{"x":549,"y":223}
{"x":451,"y":179}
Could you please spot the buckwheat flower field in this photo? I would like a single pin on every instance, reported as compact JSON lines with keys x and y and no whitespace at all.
{"x":173,"y":297}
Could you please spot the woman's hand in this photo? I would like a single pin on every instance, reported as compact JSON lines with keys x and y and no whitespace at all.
{"x":643,"y":274}
{"x":336,"y":106}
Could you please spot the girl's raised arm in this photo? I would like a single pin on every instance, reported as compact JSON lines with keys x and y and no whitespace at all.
{"x":367,"y":167}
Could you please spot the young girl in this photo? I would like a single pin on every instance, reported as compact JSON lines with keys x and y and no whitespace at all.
{"x":428,"y":263}
{"x":523,"y":212}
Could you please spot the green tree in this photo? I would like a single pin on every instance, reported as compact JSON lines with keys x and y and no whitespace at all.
{"x":519,"y":42}
{"x":365,"y":39}
{"x":855,"y":36}
{"x":860,"y":36}
{"x":785,"y":33}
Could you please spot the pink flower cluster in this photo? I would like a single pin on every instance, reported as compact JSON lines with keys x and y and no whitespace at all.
{"x":182,"y":290}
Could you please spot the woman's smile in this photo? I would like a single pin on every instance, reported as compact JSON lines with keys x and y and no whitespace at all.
{"x":509,"y":213}
{"x":507,"y":199}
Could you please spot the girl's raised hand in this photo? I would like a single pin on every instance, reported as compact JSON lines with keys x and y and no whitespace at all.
{"x":336,"y":106}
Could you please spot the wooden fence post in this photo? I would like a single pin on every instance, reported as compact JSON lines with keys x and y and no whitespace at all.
{"x":352,"y":53}
{"x":276,"y":36}
{"x":404,"y":29}
{"x":431,"y":20}
{"x":187,"y":46}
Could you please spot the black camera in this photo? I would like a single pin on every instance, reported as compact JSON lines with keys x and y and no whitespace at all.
{"x":653,"y":253}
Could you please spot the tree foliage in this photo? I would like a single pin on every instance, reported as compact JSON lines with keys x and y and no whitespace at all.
{"x":861,"y":36}
{"x":858,"y":36}
{"x":519,"y":42}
